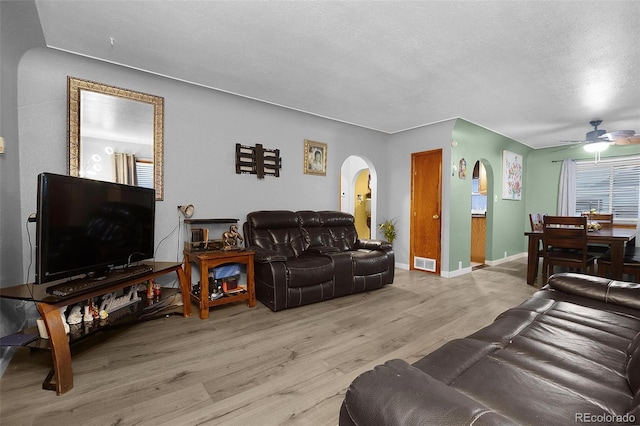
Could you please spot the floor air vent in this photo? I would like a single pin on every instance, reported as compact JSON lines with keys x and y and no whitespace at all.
{"x":424,"y":263}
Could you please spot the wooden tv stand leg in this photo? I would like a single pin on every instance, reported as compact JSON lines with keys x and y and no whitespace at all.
{"x":185,"y":290}
{"x":60,"y":351}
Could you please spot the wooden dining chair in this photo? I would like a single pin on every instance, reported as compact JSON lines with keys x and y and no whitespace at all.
{"x":536,"y":221}
{"x":564,"y":243}
{"x":631,"y":265}
{"x":605,"y":220}
{"x":537,"y":226}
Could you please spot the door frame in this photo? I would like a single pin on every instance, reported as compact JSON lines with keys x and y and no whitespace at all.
{"x":413,"y":200}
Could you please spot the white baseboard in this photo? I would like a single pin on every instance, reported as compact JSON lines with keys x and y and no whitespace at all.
{"x":505,"y":259}
{"x":468,"y":270}
{"x":456,"y":273}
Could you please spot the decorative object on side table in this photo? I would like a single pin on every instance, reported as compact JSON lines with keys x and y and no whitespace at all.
{"x":199,"y":230}
{"x":187,"y":211}
{"x":231,"y":237}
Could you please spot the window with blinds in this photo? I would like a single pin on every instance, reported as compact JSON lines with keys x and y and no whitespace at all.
{"x":144,"y":174}
{"x":609,"y":186}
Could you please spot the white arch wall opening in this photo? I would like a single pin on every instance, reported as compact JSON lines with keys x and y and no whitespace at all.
{"x":349,"y":172}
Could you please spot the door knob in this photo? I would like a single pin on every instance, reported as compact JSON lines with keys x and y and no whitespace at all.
{"x":435,"y":216}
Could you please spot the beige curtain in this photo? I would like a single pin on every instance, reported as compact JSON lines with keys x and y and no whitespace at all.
{"x":567,"y":188}
{"x":124,"y":168}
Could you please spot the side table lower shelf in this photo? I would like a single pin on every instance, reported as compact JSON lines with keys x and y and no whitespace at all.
{"x":211,"y":259}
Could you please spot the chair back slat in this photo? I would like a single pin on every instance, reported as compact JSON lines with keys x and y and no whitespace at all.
{"x":536,"y":221}
{"x":565,"y":232}
{"x":564,"y":243}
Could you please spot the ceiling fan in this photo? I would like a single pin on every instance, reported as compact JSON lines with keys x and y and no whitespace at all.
{"x":599,"y":140}
{"x":620,"y":137}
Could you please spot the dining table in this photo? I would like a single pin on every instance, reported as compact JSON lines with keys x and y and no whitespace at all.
{"x":615,"y":238}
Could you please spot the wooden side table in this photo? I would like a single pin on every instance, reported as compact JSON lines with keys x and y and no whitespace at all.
{"x":211,"y":259}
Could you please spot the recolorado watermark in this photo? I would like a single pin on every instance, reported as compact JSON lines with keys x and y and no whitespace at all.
{"x":605,"y":418}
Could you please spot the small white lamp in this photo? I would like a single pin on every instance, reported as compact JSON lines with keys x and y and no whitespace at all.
{"x":187,"y":211}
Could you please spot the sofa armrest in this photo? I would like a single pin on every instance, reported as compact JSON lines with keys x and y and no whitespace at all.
{"x":603,"y":289}
{"x":323,"y":250}
{"x":397,"y":393}
{"x":374,"y":244}
{"x":266,"y":256}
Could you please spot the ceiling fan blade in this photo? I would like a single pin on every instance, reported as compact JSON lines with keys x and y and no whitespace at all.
{"x":629,"y":140}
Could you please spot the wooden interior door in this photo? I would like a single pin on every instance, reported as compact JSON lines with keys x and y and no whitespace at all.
{"x":426,"y":196}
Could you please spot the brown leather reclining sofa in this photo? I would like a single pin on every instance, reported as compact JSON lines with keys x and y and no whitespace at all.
{"x":306,"y":257}
{"x":568,"y":355}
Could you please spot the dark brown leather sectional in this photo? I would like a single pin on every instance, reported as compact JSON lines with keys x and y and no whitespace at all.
{"x":568,"y":355}
{"x":307,"y":256}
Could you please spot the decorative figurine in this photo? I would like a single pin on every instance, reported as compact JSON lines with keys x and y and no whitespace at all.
{"x":231,"y":238}
{"x":88,"y":315}
{"x":64,"y":319}
{"x":75,"y":316}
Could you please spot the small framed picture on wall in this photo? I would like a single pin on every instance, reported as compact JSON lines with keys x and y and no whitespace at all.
{"x":315,"y":158}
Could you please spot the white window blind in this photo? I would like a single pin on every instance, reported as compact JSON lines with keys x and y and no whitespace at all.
{"x":610,"y":186}
{"x":144,"y":174}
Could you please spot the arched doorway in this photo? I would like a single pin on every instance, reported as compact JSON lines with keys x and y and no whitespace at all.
{"x":481,"y":212}
{"x":478,"y":214}
{"x":358,"y":193}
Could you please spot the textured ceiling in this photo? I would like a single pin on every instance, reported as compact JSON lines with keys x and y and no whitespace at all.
{"x":535,"y":71}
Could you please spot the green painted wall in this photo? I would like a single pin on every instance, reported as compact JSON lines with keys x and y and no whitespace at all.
{"x":505,"y":227}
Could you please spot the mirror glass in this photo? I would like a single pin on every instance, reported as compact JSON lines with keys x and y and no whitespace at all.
{"x":115,"y":134}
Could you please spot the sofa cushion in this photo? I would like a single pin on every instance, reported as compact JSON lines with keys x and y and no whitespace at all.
{"x":306,"y":270}
{"x":369,"y":262}
{"x":312,"y":230}
{"x":454,"y":358}
{"x":598,"y":288}
{"x":276,"y":230}
{"x":407,"y":396}
{"x":340,"y":230}
{"x":633,"y":366}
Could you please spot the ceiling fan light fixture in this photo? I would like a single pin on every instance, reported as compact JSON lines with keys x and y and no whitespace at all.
{"x":596,"y":146}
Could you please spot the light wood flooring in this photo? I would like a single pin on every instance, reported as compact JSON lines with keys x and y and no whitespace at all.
{"x":252,"y":366}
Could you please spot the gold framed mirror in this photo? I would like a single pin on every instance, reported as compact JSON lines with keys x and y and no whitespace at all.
{"x":115,"y":134}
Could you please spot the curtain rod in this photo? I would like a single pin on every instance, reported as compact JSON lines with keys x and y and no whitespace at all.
{"x":601,"y":160}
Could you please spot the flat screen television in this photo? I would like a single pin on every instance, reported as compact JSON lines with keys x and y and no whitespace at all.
{"x":88,"y":227}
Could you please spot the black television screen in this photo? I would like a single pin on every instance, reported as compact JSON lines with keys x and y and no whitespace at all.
{"x":85,"y":226}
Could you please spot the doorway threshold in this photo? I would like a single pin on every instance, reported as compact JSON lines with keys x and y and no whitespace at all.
{"x":475,"y":266}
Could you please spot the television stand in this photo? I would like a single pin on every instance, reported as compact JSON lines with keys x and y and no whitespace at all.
{"x":49,"y":308}
{"x":70,"y":288}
